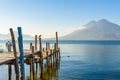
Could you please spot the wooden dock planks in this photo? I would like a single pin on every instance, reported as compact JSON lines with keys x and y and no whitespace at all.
{"x":7,"y":57}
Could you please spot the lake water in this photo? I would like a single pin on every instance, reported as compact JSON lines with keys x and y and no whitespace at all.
{"x":83,"y":60}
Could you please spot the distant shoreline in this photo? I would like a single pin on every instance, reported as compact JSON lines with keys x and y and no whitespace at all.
{"x":92,"y":42}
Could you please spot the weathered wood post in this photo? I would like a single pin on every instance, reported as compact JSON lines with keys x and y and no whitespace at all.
{"x":48,"y":54}
{"x":57,"y":48}
{"x":32,"y":75}
{"x":32,"y":62}
{"x":56,"y":71}
{"x":41,"y":57}
{"x":15,"y":54}
{"x":9,"y":72}
{"x":36,"y":70}
{"x":56,"y":40}
{"x":59,"y":54}
{"x":47,"y":59}
{"x":20,"y":41}
{"x":41,"y":65}
{"x":46,"y":46}
{"x":40,"y":43}
{"x":30,"y":46}
{"x":47,"y":50}
{"x":36,"y":47}
{"x":35,"y":42}
{"x":55,"y":54}
{"x":51,"y":58}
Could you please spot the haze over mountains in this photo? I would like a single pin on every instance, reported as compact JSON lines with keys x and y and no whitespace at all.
{"x":95,"y":30}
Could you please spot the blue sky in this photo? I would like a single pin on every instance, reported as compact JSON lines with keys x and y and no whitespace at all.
{"x":48,"y":16}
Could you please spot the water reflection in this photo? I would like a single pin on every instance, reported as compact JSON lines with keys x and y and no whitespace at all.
{"x":50,"y":71}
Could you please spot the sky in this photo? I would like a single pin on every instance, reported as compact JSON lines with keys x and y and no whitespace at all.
{"x":45,"y":17}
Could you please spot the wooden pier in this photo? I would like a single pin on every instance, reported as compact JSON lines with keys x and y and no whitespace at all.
{"x":31,"y":57}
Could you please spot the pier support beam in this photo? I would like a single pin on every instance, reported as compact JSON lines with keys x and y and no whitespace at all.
{"x":15,"y":55}
{"x":56,"y":40}
{"x":9,"y":72}
{"x":40,"y":43}
{"x":32,"y":72}
{"x":35,"y":42}
{"x":20,"y":41}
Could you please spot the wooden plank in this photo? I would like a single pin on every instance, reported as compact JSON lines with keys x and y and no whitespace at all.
{"x":6,"y":57}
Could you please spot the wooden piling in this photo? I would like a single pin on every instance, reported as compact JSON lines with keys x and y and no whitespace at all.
{"x":51,"y":58}
{"x":15,"y":54}
{"x":36,"y":70}
{"x":32,"y":75}
{"x":20,"y":41}
{"x":40,"y":43}
{"x":33,"y":63}
{"x":9,"y":72}
{"x":31,"y":47}
{"x":56,"y":40}
{"x":41,"y":57}
{"x":35,"y":42}
{"x":55,"y":54}
{"x":30,"y":61}
{"x":41,"y":66}
{"x":47,"y":59}
{"x":46,"y":46}
{"x":57,"y":49}
{"x":47,"y":50}
{"x":59,"y":54}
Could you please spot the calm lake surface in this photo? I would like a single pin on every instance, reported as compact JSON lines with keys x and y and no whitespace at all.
{"x":82,"y":60}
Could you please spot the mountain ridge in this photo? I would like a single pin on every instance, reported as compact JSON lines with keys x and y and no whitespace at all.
{"x":96,"y":30}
